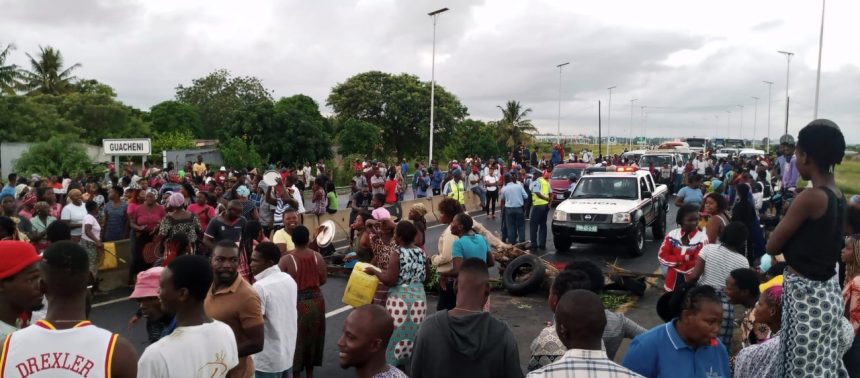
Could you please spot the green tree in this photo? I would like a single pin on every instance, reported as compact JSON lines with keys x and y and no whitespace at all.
{"x":296,"y":132}
{"x":24,"y":120}
{"x":62,"y":153}
{"x":93,"y":87}
{"x":8,"y":72}
{"x":47,"y":74}
{"x":400,"y":106}
{"x":472,"y":137}
{"x":360,"y":138}
{"x":172,"y":140}
{"x":238,"y":153}
{"x":169,"y":116}
{"x":514,"y":128}
{"x":219,"y":99}
{"x":96,"y":116}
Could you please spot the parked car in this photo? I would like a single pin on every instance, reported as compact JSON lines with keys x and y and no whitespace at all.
{"x":559,"y":182}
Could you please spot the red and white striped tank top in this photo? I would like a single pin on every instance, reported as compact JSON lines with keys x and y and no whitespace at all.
{"x":42,"y":350}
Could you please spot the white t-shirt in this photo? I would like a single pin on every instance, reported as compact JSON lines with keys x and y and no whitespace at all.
{"x":278,"y":296}
{"x":473,"y":177}
{"x":75,"y":214}
{"x":206,"y":350}
{"x":96,"y":228}
{"x":297,"y":195}
{"x":491,"y":179}
{"x":719,"y":262}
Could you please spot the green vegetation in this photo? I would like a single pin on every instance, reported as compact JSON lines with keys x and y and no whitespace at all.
{"x":58,"y":154}
{"x":848,"y":176}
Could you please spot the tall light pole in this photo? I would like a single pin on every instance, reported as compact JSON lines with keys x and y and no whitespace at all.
{"x":787,"y":69}
{"x":435,"y":15}
{"x":558,"y":140}
{"x":818,"y":73}
{"x":728,"y":124}
{"x":755,"y":119}
{"x":642,"y":121}
{"x":741,"y":123}
{"x":608,"y":118}
{"x":769,"y":87}
{"x":630,"y":140}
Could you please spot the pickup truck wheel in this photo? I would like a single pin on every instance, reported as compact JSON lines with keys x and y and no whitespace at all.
{"x":658,"y":228}
{"x":562,"y":243}
{"x":636,"y":243}
{"x":523,"y":275}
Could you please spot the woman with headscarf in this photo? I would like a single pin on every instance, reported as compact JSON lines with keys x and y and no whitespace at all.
{"x":178,"y":220}
{"x":249,"y":211}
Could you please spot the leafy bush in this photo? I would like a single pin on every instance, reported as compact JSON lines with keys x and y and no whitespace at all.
{"x":63,"y":153}
{"x":239,"y":154}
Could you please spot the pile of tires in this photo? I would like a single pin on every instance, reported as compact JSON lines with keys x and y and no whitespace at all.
{"x":524,"y":275}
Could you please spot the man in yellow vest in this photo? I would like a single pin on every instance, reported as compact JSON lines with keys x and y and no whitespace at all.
{"x":540,"y":210}
{"x":455,"y":188}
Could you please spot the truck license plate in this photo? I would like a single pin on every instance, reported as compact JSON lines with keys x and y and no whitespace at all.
{"x":586,"y":228}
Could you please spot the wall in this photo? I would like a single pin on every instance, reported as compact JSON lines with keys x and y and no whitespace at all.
{"x":211,"y":157}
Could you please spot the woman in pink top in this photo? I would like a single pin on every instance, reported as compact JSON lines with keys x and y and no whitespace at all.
{"x":144,"y":221}
{"x":851,"y":288}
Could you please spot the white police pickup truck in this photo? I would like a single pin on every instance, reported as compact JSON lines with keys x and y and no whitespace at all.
{"x":612,"y":204}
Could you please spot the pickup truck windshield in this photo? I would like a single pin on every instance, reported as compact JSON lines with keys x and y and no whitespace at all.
{"x":658,"y":161}
{"x":563,"y":173}
{"x":606,"y":187}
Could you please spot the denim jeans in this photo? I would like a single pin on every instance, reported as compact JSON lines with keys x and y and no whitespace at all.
{"x":515,"y":222}
{"x":283,"y":374}
{"x":537,"y":226}
{"x":482,"y":194}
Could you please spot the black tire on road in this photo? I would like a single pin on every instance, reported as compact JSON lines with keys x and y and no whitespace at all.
{"x":523,"y":275}
{"x":562,"y":243}
{"x":658,"y":228}
{"x":636,"y":243}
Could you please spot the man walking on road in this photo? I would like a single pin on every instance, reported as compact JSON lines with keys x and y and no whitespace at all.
{"x":233,"y":301}
{"x":278,"y":295}
{"x":540,"y":210}
{"x":207,"y":347}
{"x":513,"y":200}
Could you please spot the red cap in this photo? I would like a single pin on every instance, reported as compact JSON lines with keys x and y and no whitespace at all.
{"x":16,"y":255}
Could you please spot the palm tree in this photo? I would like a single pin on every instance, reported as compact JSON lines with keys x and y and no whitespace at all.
{"x":47,"y":75}
{"x":8,"y":73}
{"x":514,"y":128}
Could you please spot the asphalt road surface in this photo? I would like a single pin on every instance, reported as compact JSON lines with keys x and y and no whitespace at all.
{"x":525,"y":315}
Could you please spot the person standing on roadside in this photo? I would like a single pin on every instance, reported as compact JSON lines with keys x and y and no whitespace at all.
{"x":513,"y":201}
{"x":540,"y":211}
{"x":233,"y":301}
{"x":19,"y":284}
{"x":65,"y":330}
{"x":207,"y":346}
{"x":277,"y":292}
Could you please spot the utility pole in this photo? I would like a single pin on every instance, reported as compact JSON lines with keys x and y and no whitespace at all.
{"x":558,"y":140}
{"x":434,"y":15}
{"x":818,"y":73}
{"x":769,"y":87}
{"x":630,"y":140}
{"x":755,"y":118}
{"x":599,"y":129}
{"x":788,"y":56}
{"x":609,"y":118}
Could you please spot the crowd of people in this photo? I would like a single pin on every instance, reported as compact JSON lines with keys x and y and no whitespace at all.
{"x":228,"y":279}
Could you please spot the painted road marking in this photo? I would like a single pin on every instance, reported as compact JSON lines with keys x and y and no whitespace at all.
{"x":338,"y":311}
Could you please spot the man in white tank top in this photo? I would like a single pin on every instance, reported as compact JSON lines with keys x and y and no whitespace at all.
{"x":199,"y":346}
{"x":65,"y":344}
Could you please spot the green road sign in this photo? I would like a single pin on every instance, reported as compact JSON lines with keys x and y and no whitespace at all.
{"x":640,"y":140}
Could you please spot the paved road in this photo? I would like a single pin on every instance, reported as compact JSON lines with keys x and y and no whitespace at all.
{"x":525,"y":315}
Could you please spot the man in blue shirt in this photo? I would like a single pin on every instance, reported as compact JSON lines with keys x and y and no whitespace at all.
{"x":686,"y":347}
{"x":436,"y":179}
{"x":513,"y":200}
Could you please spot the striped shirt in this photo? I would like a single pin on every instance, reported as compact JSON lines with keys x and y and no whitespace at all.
{"x":719,"y":262}
{"x":583,"y":363}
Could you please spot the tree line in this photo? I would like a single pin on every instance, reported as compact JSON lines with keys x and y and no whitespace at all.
{"x":376,"y":115}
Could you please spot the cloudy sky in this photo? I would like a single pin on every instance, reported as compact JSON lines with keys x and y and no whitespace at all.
{"x":689,"y":63}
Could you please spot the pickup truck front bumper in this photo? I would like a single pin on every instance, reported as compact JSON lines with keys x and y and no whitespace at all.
{"x":603,"y":232}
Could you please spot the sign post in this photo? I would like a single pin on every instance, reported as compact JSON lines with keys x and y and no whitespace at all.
{"x":127,"y":147}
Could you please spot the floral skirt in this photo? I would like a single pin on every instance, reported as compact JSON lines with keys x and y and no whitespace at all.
{"x":811,"y":330}
{"x":407,"y":304}
{"x":310,"y":339}
{"x":92,"y":256}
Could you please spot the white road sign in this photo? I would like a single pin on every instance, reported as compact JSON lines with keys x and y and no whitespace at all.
{"x":141,"y":146}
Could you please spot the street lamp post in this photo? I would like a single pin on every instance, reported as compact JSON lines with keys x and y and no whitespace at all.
{"x":608,"y":118}
{"x":788,"y":56}
{"x":769,"y":87}
{"x":630,"y":140}
{"x":558,"y":140}
{"x":818,"y":73}
{"x":741,"y":123}
{"x":728,"y":124}
{"x":435,"y":15}
{"x":755,"y":119}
